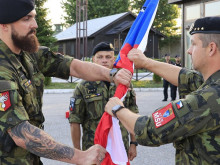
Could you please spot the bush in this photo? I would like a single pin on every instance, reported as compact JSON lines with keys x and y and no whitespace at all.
{"x":47,"y":81}
{"x":156,"y":78}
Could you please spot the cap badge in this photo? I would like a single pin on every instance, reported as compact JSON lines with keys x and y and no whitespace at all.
{"x":111,"y":46}
{"x":191,"y":27}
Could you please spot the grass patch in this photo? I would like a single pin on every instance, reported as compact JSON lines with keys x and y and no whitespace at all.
{"x":146,"y":84}
{"x":136,"y":84}
{"x":61,"y":86}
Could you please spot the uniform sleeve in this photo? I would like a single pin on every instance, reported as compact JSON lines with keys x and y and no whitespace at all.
{"x":132,"y":105}
{"x":12,"y":111}
{"x":53,"y":64}
{"x":180,"y":119}
{"x":189,"y":81}
{"x":78,"y":109}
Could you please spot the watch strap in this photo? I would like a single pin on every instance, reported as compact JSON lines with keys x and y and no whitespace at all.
{"x":135,"y":143}
{"x":112,"y":74}
{"x":115,"y":111}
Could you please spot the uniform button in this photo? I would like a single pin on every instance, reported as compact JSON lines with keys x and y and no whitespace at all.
{"x":10,"y":119}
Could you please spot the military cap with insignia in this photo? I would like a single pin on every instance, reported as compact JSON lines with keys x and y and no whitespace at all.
{"x":13,"y":10}
{"x":102,"y":46}
{"x":207,"y":25}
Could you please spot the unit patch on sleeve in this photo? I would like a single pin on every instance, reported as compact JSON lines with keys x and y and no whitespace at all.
{"x":5,"y":101}
{"x":72,"y":103}
{"x":179,"y":104}
{"x":163,"y":116}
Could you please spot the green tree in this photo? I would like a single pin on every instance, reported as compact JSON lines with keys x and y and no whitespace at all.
{"x":96,"y":9}
{"x":44,"y":30}
{"x":165,"y":20}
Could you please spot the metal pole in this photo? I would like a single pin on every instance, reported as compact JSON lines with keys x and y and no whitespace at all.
{"x":86,"y":17}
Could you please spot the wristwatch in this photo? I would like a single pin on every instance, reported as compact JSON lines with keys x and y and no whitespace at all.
{"x":112,"y":74}
{"x":116,"y":108}
{"x":135,"y":143}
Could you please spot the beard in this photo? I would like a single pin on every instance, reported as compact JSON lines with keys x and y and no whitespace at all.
{"x":27,"y":43}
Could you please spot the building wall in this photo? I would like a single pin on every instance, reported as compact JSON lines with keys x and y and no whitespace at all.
{"x":68,"y":47}
{"x":173,"y":49}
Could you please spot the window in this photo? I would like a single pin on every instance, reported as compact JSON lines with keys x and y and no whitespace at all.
{"x":193,"y":12}
{"x":212,"y":8}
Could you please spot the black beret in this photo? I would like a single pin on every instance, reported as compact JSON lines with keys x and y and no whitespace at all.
{"x":102,"y":46}
{"x":207,"y":25}
{"x":13,"y":10}
{"x":177,"y":56}
{"x":166,"y":55}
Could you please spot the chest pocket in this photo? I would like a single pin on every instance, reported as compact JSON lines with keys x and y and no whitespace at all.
{"x":29,"y":102}
{"x":95,"y":106}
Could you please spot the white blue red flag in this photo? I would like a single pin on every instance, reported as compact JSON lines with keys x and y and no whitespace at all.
{"x":108,"y":132}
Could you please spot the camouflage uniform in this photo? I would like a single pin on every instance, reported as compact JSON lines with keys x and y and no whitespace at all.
{"x":90,"y":99}
{"x":21,"y":83}
{"x":195,"y":129}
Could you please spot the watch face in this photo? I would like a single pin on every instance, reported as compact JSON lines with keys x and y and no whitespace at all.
{"x":115,"y":107}
{"x":114,"y":70}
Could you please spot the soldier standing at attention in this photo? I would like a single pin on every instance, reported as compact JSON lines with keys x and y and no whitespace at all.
{"x":22,"y":71}
{"x":88,"y":102}
{"x":166,"y":83}
{"x":173,"y":87}
{"x":193,"y":123}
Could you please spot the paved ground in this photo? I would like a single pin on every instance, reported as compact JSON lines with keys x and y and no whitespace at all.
{"x":55,"y":106}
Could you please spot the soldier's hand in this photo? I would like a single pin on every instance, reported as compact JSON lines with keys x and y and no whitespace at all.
{"x":111,"y":103}
{"x":123,"y":76}
{"x":138,"y":58}
{"x":132,"y":152}
{"x":94,"y":155}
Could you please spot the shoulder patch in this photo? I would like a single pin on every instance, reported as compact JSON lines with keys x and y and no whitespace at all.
{"x":163,"y":116}
{"x":5,"y":101}
{"x":72,"y":103}
{"x":179,"y":104}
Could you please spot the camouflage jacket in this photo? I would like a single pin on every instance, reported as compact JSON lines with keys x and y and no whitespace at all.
{"x":192,"y":124}
{"x":21,"y":90}
{"x":90,"y":99}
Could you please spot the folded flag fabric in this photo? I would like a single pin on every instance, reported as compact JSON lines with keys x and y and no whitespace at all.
{"x":108,"y":132}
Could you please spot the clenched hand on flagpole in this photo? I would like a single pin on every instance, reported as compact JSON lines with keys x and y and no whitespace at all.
{"x":108,"y":132}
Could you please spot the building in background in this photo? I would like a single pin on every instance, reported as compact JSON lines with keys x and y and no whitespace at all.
{"x":112,"y":29}
{"x":192,"y":10}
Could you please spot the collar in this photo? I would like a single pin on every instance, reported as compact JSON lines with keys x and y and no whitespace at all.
{"x":214,"y":78}
{"x":11,"y":57}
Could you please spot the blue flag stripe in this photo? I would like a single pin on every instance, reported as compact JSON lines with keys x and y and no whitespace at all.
{"x":138,"y":33}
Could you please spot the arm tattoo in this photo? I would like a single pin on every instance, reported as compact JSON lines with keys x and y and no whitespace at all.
{"x":40,"y":143}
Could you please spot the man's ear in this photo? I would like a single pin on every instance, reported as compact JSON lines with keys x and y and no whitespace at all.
{"x":93,"y":58}
{"x":212,"y":48}
{"x":4,"y":27}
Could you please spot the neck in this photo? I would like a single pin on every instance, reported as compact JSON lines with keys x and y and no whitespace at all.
{"x":211,"y":69}
{"x":11,"y":46}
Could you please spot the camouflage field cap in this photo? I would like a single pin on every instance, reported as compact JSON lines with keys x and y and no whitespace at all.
{"x":207,"y":25}
{"x":102,"y":46}
{"x":13,"y":10}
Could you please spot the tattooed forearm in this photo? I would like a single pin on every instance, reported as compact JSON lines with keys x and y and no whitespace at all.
{"x":39,"y":142}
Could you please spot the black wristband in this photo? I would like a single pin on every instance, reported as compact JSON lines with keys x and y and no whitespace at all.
{"x":135,"y":143}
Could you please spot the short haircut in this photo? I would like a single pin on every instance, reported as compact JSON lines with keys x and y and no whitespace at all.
{"x":208,"y":38}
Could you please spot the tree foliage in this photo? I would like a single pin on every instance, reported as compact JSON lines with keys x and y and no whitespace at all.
{"x":96,"y":9}
{"x":165,"y":20}
{"x":44,"y":30}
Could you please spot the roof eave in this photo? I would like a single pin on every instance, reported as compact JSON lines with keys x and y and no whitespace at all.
{"x":175,"y":1}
